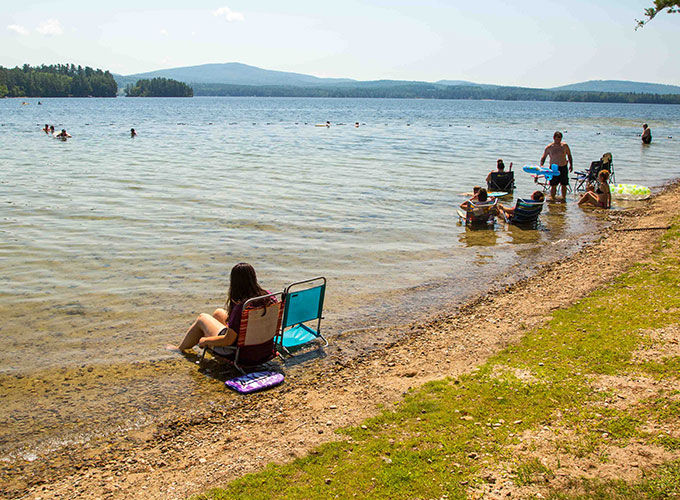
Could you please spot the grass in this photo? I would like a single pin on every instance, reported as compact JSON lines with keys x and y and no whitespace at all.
{"x":443,"y":438}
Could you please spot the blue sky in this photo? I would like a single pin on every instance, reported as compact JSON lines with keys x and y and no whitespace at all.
{"x":532,"y":43}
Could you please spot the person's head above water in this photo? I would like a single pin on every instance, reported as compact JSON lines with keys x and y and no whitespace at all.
{"x":500,"y":165}
{"x":537,"y":196}
{"x":483,"y":195}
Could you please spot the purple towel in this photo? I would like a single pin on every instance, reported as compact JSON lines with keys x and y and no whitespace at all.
{"x":256,"y":381}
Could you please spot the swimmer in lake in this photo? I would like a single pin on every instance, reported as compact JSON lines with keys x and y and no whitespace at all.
{"x":63,"y":135}
{"x":46,"y":129}
{"x":51,"y":129}
{"x":133,"y":133}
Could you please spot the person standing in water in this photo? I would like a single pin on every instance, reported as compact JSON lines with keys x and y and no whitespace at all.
{"x":646,"y":134}
{"x":559,"y":154}
{"x":133,"y":133}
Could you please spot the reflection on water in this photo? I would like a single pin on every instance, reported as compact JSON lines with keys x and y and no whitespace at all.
{"x":110,"y":245}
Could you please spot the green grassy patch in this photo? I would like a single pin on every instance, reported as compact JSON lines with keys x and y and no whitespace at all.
{"x":441,"y":438}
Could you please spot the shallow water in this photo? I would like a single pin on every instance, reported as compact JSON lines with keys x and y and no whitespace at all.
{"x":110,"y":245}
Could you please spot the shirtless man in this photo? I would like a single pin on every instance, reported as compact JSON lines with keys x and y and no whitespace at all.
{"x":646,"y":134}
{"x":559,"y":153}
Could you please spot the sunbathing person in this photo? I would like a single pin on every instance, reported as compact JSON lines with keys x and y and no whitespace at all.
{"x":221,"y":329}
{"x":602,"y":196}
{"x":481,"y":196}
{"x":510,"y":211}
{"x":500,"y":167}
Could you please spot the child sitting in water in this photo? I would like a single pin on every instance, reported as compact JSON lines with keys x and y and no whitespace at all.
{"x":480,"y":196}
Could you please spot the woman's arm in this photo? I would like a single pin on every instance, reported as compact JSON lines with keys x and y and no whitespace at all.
{"x":219,"y":340}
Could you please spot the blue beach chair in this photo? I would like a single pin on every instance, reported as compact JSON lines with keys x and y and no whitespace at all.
{"x":526,"y":212}
{"x":302,"y":306}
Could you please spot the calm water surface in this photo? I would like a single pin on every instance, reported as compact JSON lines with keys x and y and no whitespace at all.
{"x":110,"y":245}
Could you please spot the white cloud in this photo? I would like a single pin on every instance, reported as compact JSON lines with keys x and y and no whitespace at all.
{"x":20,"y":30}
{"x":164,"y":32}
{"x":228,"y":14}
{"x":50,"y":27}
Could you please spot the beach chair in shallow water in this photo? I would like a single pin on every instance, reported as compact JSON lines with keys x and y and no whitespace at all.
{"x":526,"y":212}
{"x":501,"y":181}
{"x":260,"y":324}
{"x":480,"y":213}
{"x":584,"y":178}
{"x":302,"y":314}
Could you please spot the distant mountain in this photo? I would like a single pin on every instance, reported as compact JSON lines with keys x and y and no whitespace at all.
{"x":233,"y":74}
{"x":620,"y":86}
{"x":458,"y":83}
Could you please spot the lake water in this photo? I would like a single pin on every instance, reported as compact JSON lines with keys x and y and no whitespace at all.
{"x":109,"y":245}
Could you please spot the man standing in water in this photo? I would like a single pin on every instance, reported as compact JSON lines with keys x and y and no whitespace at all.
{"x":646,"y":134}
{"x":559,"y":154}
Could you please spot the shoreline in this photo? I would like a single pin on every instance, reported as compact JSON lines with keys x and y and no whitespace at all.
{"x":188,"y":454}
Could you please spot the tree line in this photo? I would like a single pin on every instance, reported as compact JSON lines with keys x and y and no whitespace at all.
{"x":56,"y":80}
{"x":435,"y":91}
{"x":159,"y":87}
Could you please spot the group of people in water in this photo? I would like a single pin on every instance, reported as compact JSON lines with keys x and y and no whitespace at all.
{"x":63,"y":135}
{"x":559,"y":154}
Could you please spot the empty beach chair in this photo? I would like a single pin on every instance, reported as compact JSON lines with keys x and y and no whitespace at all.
{"x":501,"y":181}
{"x":260,"y":324}
{"x":302,"y":314}
{"x":480,"y":213}
{"x":526,"y":212}
{"x":584,"y":178}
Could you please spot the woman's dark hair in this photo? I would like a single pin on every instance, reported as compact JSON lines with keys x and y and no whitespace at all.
{"x":482,"y":195}
{"x":500,"y":165}
{"x":243,"y":285}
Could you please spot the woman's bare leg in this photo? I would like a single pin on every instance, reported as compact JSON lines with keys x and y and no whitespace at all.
{"x":204,"y":326}
{"x":589,"y":199}
{"x":221,"y":316}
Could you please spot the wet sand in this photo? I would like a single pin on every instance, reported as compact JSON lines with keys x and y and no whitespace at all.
{"x":186,"y":450}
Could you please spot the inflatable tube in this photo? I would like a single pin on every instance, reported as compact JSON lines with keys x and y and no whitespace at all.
{"x":630,"y":192}
{"x":498,"y":194}
{"x":548,"y":172}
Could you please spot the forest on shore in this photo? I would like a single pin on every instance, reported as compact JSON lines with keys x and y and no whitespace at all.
{"x":417,"y":90}
{"x":56,"y":80}
{"x":159,"y":87}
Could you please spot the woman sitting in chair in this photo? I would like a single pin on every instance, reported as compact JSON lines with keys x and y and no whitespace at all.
{"x":221,"y":329}
{"x":510,"y":211}
{"x":602,"y":196}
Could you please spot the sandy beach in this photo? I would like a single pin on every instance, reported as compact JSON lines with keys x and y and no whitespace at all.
{"x":187,"y":454}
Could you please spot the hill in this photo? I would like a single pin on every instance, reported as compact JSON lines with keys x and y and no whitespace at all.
{"x":233,"y":74}
{"x":620,"y":86}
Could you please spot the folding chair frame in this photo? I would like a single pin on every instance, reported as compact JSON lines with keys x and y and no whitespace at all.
{"x":317,"y":333}
{"x":236,"y":349}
